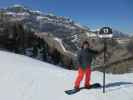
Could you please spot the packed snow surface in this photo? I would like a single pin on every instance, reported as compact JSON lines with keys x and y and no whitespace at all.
{"x":23,"y":78}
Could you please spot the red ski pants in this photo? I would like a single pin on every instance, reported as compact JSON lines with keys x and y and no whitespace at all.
{"x":81,"y":74}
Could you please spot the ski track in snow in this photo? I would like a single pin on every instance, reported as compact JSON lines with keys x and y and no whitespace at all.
{"x":23,"y":78}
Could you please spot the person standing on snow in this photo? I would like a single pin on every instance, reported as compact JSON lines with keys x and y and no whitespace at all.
{"x":85,"y":56}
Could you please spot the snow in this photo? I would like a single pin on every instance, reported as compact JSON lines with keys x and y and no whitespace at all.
{"x":75,"y":38}
{"x":51,"y":14}
{"x":61,"y":44}
{"x":18,"y":6}
{"x":91,"y":34}
{"x":23,"y":14}
{"x":79,"y":25}
{"x":17,"y":14}
{"x":23,"y":78}
{"x":10,"y":13}
{"x":40,"y":18}
{"x":37,"y":11}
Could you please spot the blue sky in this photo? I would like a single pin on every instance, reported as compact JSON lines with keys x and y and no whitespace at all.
{"x":93,"y":13}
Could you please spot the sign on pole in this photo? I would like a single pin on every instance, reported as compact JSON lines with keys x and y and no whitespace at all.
{"x":105,"y":33}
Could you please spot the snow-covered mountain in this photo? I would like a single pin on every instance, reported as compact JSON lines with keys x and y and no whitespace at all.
{"x":59,"y":26}
{"x":23,"y":78}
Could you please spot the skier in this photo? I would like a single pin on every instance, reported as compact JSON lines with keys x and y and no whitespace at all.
{"x":84,"y":57}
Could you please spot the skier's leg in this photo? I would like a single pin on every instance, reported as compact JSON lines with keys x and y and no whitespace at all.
{"x":87,"y":76}
{"x":79,"y":78}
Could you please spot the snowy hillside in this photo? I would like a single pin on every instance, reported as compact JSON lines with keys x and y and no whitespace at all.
{"x":23,"y":78}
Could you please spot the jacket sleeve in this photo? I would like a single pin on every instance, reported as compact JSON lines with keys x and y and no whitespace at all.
{"x":79,"y":57}
{"x":96,"y":52}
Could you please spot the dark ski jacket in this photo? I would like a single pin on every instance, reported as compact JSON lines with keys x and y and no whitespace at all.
{"x":85,"y":57}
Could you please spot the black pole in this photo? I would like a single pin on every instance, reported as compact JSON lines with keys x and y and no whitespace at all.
{"x":105,"y":33}
{"x":104,"y":69}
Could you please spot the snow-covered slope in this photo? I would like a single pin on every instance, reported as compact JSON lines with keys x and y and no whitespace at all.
{"x":23,"y":78}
